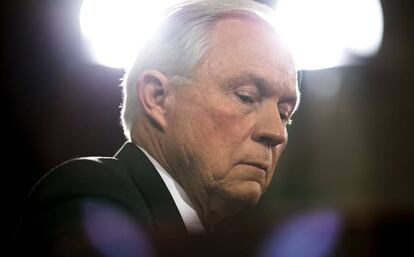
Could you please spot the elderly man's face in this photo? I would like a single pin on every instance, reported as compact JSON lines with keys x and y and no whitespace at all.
{"x":227,"y":128}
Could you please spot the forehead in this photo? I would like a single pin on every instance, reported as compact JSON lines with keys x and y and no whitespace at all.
{"x":244,"y":44}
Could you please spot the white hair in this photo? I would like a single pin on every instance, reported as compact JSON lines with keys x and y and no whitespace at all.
{"x":179,"y":45}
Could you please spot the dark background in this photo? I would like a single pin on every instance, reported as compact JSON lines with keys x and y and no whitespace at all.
{"x":350,"y":152}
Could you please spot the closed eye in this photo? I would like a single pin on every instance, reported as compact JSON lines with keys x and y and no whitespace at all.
{"x":285,"y":118}
{"x":246,"y":98}
{"x":247,"y":95}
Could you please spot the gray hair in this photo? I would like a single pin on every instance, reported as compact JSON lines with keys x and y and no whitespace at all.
{"x":179,"y":45}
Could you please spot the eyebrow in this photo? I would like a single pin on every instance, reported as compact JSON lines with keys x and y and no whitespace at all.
{"x":248,"y":77}
{"x":264,"y":85}
{"x":259,"y":81}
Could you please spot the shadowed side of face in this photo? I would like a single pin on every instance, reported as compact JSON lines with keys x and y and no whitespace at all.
{"x":227,"y":128}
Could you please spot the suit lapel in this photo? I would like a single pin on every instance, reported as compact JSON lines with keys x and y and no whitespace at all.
{"x":150,"y":183}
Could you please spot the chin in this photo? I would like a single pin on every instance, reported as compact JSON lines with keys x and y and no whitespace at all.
{"x":226,"y":202}
{"x":243,"y":196}
{"x":249,"y":193}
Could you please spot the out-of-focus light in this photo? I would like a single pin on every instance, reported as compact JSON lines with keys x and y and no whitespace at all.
{"x":313,"y":233}
{"x":112,"y":231}
{"x":327,"y":33}
{"x":115,"y":29}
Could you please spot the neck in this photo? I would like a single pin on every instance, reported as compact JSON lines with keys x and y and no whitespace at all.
{"x":210,"y":206}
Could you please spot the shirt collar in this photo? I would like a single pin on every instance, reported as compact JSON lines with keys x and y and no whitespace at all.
{"x":182,"y":201}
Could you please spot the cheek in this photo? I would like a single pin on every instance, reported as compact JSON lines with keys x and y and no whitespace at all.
{"x":277,"y":152}
{"x":228,"y":125}
{"x":219,"y":133}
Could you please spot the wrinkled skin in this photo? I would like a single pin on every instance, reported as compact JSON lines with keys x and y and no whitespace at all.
{"x":227,"y":127}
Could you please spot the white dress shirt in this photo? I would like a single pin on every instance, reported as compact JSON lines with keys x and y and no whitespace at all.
{"x":191,"y":220}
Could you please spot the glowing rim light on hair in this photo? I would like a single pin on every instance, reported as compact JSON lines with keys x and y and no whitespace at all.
{"x":115,"y":29}
{"x":327,"y":33}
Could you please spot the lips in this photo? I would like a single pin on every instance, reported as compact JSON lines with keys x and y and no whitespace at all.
{"x":261,"y":165}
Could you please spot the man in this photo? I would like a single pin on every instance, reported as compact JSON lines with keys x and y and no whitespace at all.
{"x":205,"y":111}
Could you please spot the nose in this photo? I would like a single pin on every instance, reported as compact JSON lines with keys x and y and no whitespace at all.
{"x":270,"y":130}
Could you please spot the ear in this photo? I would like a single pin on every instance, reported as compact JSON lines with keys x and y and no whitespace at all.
{"x":153,"y":90}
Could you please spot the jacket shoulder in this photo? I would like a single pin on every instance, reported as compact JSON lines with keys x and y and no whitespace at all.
{"x":88,"y":175}
{"x":76,"y":199}
{"x":101,"y":178}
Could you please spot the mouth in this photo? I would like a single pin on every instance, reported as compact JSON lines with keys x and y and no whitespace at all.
{"x":260,"y":165}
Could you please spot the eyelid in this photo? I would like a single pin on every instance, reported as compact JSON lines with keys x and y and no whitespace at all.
{"x":287,"y":116}
{"x":287,"y":120}
{"x":251,"y":92}
{"x":247,"y":92}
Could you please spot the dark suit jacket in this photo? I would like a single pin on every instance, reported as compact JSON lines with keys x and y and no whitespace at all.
{"x":97,"y":206}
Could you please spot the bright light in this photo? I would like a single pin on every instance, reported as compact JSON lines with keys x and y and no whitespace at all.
{"x":321,"y":33}
{"x":115,"y":29}
{"x":326,"y":33}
